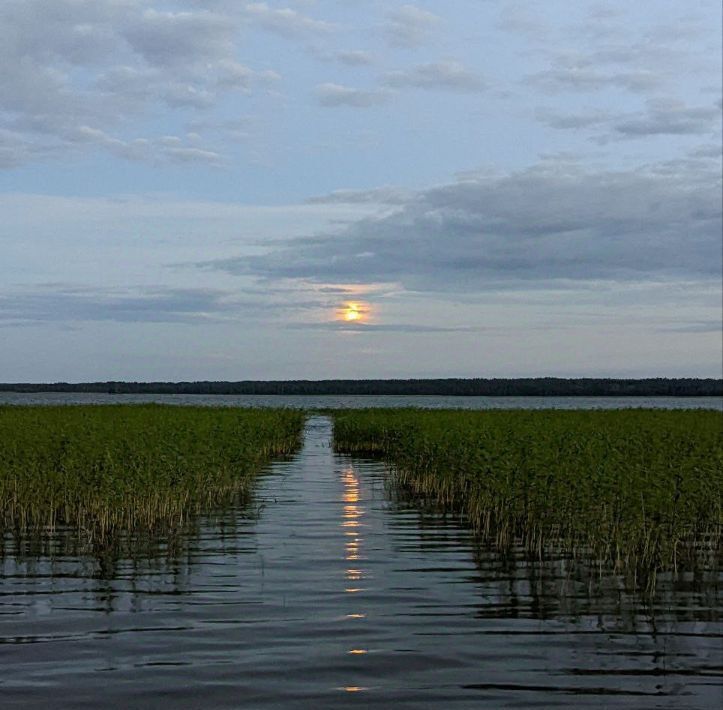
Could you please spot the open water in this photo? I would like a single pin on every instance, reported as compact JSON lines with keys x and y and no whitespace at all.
{"x":362,"y":401}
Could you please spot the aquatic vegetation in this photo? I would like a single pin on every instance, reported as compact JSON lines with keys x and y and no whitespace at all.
{"x":637,"y":490}
{"x":109,"y":471}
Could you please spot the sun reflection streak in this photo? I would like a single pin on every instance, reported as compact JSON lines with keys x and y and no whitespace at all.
{"x":351,"y":524}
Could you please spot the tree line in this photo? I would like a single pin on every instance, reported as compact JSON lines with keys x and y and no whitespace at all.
{"x":496,"y":387}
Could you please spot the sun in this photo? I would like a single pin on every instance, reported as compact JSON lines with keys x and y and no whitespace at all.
{"x":353,"y":312}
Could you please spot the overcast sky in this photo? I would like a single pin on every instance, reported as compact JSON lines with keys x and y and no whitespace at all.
{"x":195,"y":189}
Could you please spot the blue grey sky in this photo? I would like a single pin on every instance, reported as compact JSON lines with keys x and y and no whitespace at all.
{"x":199,"y":189}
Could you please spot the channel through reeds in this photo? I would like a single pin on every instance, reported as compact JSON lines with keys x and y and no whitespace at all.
{"x":638,"y":491}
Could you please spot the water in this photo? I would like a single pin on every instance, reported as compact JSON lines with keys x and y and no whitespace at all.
{"x":361,"y":401}
{"x":330,"y":592}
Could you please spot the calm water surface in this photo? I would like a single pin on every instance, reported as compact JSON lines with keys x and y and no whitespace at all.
{"x":329,"y":592}
{"x":363,"y":401}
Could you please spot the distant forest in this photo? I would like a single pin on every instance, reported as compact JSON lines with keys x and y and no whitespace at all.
{"x":519,"y":387}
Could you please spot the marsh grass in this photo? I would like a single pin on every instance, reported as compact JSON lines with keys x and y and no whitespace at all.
{"x":638,"y":491}
{"x":129,"y":472}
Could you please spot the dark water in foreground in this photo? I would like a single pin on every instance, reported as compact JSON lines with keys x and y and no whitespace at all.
{"x":334,"y":595}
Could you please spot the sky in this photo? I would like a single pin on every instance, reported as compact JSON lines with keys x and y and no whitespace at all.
{"x":310,"y":189}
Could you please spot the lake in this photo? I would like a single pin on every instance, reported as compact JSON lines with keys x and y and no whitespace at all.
{"x":363,"y":401}
{"x":332,"y":590}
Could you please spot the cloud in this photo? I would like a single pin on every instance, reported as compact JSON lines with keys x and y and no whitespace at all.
{"x":338,"y":95}
{"x":286,"y":22}
{"x":669,"y":118}
{"x":607,"y":48}
{"x":410,"y":26}
{"x":448,"y":75}
{"x":519,"y":19}
{"x":574,"y":78}
{"x":342,"y":290}
{"x":72,"y":65}
{"x":73,"y":305}
{"x":339,"y":326}
{"x":167,"y":149}
{"x":697,"y":326}
{"x":660,"y":117}
{"x":173,"y":39}
{"x":65,"y":303}
{"x":17,"y":149}
{"x":379,"y":196}
{"x":575,"y":121}
{"x":711,"y":150}
{"x":354,"y":58}
{"x":634,"y":64}
{"x":550,"y":224}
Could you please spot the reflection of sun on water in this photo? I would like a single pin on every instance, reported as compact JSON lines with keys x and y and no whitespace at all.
{"x":351,"y":518}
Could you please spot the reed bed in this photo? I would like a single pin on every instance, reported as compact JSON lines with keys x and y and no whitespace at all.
{"x":120,"y":470}
{"x":636,"y":490}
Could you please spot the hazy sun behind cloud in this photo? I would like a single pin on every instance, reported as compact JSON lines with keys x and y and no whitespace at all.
{"x":354,"y":312}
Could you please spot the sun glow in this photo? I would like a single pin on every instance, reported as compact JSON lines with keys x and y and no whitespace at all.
{"x":353,"y":312}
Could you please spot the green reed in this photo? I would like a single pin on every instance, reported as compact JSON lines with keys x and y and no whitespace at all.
{"x":637,"y":490}
{"x":106,"y":471}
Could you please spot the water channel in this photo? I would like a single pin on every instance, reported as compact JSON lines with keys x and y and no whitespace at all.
{"x":331,"y":591}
